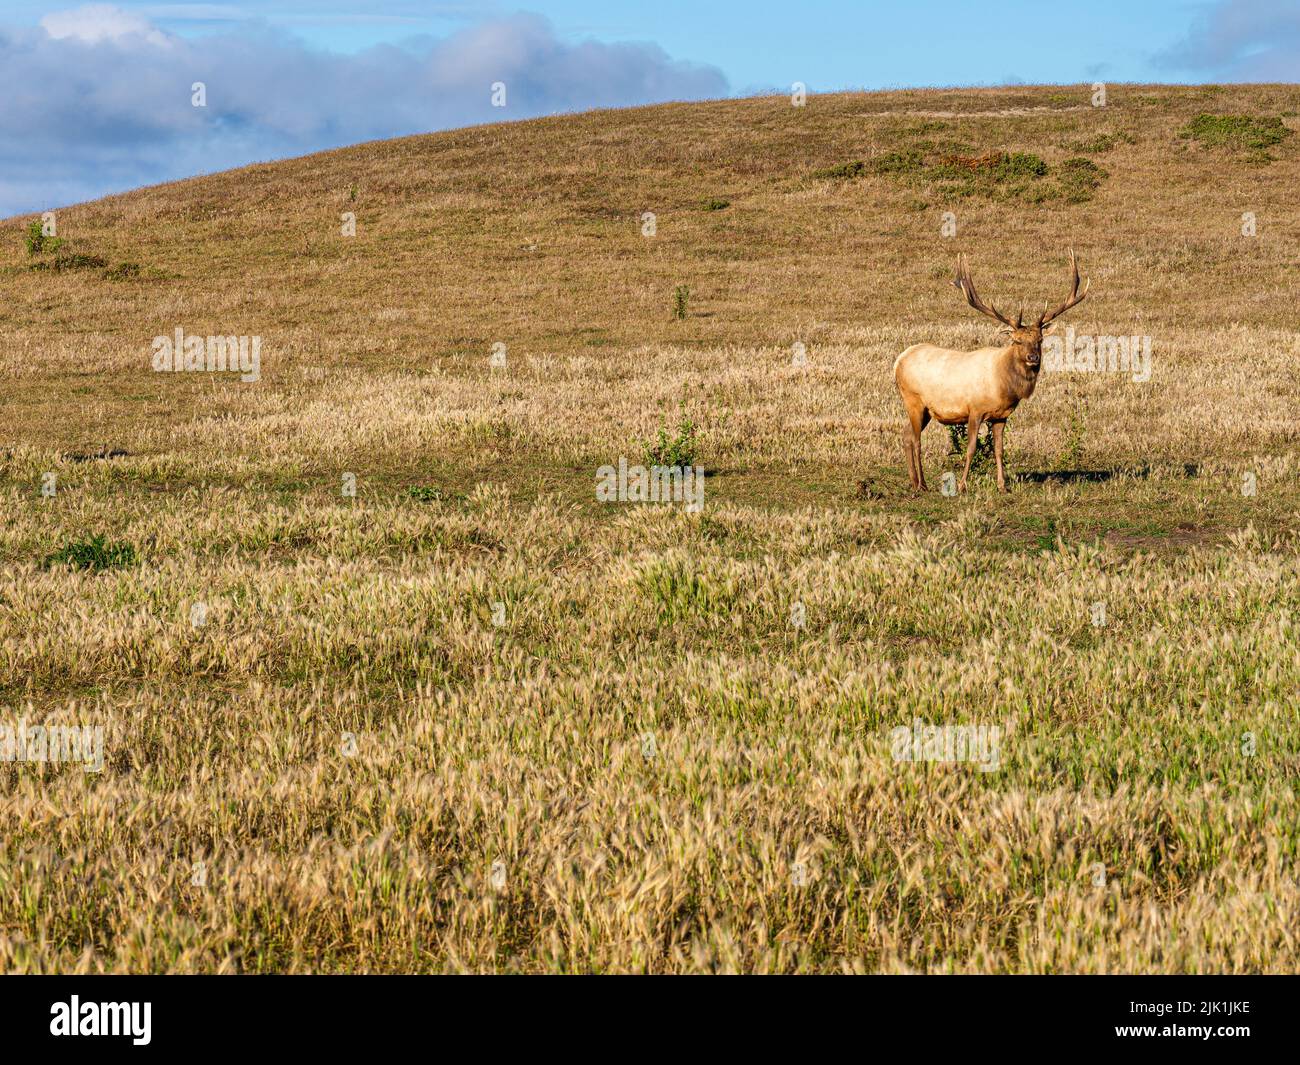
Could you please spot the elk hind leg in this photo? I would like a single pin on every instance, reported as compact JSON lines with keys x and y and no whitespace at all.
{"x":918,"y":418}
{"x":911,"y":456}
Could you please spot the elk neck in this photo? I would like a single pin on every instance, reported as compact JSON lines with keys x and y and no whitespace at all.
{"x":1018,"y":376}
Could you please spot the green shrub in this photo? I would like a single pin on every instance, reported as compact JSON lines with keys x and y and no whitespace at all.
{"x":1075,"y":430}
{"x":123,"y":272}
{"x":1018,"y":164}
{"x":681,"y":300}
{"x":844,"y":170}
{"x":37,"y":242}
{"x":714,"y":204}
{"x":910,"y":161}
{"x":1079,"y":179}
{"x":958,"y":437}
{"x":672,"y":451}
{"x":995,"y":175}
{"x":992,"y":166}
{"x":71,"y":261}
{"x":1236,"y":132}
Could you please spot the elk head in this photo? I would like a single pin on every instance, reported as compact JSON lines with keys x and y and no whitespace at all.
{"x":1026,"y":337}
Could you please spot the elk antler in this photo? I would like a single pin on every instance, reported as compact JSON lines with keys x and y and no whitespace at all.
{"x":1074,"y":297}
{"x":967,"y":286}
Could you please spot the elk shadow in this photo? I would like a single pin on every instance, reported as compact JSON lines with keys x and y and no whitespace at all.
{"x":95,"y":456}
{"x":1138,"y":473}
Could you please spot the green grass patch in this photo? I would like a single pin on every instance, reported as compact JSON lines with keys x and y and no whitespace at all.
{"x":1240,"y":133}
{"x":1079,"y":178}
{"x":96,"y":553}
{"x":909,"y":161}
{"x":71,"y":261}
{"x":842,"y":171}
{"x":424,"y":493}
{"x":995,"y":175}
{"x":123,"y":272}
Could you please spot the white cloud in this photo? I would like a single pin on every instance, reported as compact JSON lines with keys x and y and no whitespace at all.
{"x":101,"y":22}
{"x":1241,"y":40}
{"x":98,"y":100}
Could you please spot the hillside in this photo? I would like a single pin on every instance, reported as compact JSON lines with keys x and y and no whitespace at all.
{"x":469,"y":717}
{"x":530,"y":235}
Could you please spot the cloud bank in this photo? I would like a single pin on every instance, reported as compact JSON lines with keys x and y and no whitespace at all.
{"x":98,"y":99}
{"x":1241,"y":40}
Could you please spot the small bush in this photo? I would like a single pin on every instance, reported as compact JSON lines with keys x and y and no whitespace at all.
{"x":1079,"y":179}
{"x":995,"y":175}
{"x":1019,"y":164}
{"x":123,"y":272}
{"x":37,"y":242}
{"x":71,"y":261}
{"x":424,"y":493}
{"x":97,"y":553}
{"x":714,"y":204}
{"x":999,"y":166}
{"x":681,"y":301}
{"x":673,"y":451}
{"x":957,"y":438}
{"x":1075,"y":430}
{"x":910,"y":161}
{"x":1236,"y":132}
{"x":844,"y":170}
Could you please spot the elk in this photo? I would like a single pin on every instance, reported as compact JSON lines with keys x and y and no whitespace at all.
{"x":973,"y":387}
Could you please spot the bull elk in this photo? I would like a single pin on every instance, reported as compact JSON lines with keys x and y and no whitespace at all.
{"x":973,"y":387}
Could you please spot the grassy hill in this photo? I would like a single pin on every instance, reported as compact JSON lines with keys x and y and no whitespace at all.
{"x":469,"y":717}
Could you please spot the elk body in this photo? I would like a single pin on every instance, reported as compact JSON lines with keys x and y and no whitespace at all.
{"x":973,"y":387}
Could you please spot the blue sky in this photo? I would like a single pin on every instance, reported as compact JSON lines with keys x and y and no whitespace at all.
{"x":97,"y":97}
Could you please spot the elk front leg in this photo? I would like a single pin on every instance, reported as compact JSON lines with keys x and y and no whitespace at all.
{"x":997,"y":453}
{"x":972,"y":438}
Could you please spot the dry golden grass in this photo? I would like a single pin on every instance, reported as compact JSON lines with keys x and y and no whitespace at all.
{"x":641,"y":763}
